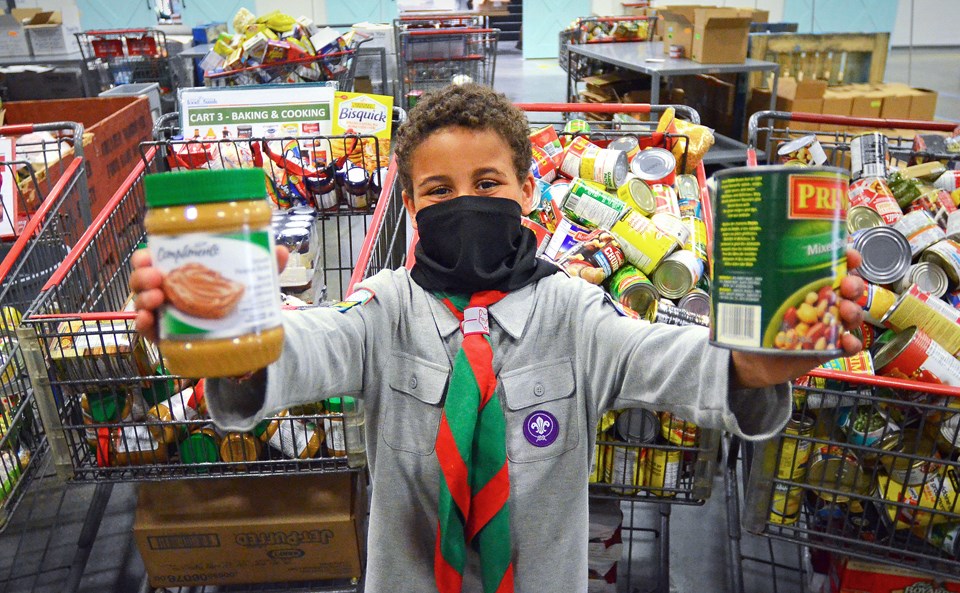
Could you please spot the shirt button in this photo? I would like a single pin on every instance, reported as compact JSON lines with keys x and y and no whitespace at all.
{"x":538,"y":390}
{"x":413,"y":382}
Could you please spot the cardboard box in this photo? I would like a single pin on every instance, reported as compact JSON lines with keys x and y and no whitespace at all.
{"x":116,"y":125}
{"x":46,"y":34}
{"x":870,"y":577}
{"x":790,"y":88}
{"x":708,"y":34}
{"x":866,"y":104}
{"x":896,"y":101}
{"x":250,"y":530}
{"x":13,"y":37}
{"x":923,"y":104}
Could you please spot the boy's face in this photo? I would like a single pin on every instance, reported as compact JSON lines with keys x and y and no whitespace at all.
{"x":456,"y":161}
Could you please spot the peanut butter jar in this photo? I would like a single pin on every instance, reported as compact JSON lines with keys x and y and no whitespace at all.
{"x":209,"y":233}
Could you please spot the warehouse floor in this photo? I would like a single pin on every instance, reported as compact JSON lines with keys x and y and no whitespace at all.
{"x":39,"y":545}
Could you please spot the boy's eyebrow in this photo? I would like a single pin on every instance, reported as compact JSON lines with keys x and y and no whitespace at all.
{"x":433,"y":179}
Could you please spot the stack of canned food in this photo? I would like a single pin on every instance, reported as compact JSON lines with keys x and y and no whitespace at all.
{"x":867,"y":462}
{"x":142,"y":427}
{"x":616,"y":213}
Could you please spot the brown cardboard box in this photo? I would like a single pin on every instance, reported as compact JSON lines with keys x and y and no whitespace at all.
{"x":118,"y":125}
{"x":676,"y":27}
{"x":250,"y":530}
{"x":896,"y":101}
{"x":46,"y":34}
{"x":866,"y":104}
{"x":923,"y":104}
{"x":13,"y":37}
{"x":790,"y":88}
{"x":755,"y":16}
{"x":720,"y":36}
{"x":805,"y":106}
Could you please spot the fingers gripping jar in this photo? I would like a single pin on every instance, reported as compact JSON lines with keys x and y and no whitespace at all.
{"x":209,"y":233}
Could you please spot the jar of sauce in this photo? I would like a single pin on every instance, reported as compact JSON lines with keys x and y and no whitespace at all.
{"x":209,"y":233}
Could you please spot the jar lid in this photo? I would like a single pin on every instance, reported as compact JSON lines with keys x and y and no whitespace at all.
{"x":204,"y":187}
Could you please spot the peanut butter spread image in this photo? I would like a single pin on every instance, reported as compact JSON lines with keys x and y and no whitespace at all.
{"x":201,"y":292}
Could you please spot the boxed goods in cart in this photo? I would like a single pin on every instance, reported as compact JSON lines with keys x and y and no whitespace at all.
{"x":868,"y":465}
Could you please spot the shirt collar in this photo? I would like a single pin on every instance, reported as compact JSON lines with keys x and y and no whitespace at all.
{"x":511,"y":313}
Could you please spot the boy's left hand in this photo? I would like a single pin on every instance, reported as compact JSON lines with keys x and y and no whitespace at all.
{"x":750,"y":370}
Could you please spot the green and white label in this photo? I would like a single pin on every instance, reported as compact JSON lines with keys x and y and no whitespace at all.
{"x":217,"y":285}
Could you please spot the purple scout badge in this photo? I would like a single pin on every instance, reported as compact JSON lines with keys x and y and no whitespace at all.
{"x":541,"y":428}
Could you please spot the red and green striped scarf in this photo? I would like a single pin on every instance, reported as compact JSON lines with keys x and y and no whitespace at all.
{"x":471,"y":448}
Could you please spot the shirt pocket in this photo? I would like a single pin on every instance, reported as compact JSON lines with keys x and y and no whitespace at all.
{"x":411,"y":412}
{"x":542,"y":415}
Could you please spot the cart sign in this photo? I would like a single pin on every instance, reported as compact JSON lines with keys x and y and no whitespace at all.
{"x":258,"y":112}
{"x":8,"y":215}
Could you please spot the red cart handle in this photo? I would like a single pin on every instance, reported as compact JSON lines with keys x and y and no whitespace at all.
{"x":869,"y":122}
{"x":449,"y":31}
{"x":118,"y":31}
{"x":880,"y":381}
{"x":585,"y":107}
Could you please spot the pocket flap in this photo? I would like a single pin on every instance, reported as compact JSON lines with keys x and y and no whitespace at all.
{"x":421,"y":379}
{"x":538,"y":383}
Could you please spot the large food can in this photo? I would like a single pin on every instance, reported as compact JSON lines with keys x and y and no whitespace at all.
{"x":572,"y":156}
{"x":677,"y":431}
{"x":874,"y":193}
{"x":697,"y":301}
{"x":566,"y":235}
{"x":928,"y":277}
{"x":885,"y":253}
{"x":861,"y":217}
{"x":609,"y":167}
{"x":868,"y":155}
{"x":631,"y":288}
{"x":912,"y":354}
{"x":542,"y":166}
{"x":591,"y":206}
{"x":628,"y":144}
{"x":779,"y":256}
{"x":937,"y":319}
{"x":794,"y":455}
{"x":546,"y":139}
{"x":920,"y":230}
{"x":634,"y":427}
{"x":644,"y":244}
{"x":638,"y":195}
{"x":946,"y":255}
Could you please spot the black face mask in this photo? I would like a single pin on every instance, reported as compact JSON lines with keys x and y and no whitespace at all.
{"x":474,"y":243}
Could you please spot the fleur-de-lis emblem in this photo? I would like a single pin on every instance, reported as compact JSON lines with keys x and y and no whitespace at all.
{"x":541,"y":426}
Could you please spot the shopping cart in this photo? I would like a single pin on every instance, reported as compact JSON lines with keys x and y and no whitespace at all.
{"x":440,"y":20}
{"x":339,"y":66}
{"x":124,"y":56}
{"x":111,"y":410}
{"x":429,"y":59}
{"x":600,"y":29}
{"x":868,"y":466}
{"x":43,"y":214}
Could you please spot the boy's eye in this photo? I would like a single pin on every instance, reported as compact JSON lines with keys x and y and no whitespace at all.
{"x":488,"y":184}
{"x":438,"y":191}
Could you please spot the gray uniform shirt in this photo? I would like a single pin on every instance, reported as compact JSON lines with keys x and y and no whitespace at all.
{"x":558,"y":346}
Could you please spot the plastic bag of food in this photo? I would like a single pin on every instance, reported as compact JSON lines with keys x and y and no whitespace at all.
{"x":243,"y":19}
{"x":700,"y":139}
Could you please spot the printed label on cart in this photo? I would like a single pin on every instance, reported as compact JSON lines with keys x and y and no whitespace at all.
{"x":217,"y":285}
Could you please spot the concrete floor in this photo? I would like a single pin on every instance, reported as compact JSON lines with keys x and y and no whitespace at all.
{"x":39,"y":545}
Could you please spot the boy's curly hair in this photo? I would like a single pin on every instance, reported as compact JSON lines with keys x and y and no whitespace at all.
{"x":471,"y":106}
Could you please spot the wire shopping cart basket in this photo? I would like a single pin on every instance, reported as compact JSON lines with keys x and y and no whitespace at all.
{"x":868,"y":465}
{"x":40,"y":220}
{"x":339,"y":66}
{"x":124,"y":56}
{"x":429,"y":59}
{"x":112,"y":412}
{"x":601,"y":29}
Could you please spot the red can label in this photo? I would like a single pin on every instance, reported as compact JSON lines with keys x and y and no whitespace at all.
{"x":547,"y":139}
{"x":874,"y":193}
{"x":814,"y":197}
{"x":924,"y":360}
{"x":543,"y":166}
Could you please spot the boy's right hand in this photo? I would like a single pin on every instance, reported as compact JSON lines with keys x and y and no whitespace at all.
{"x":146,"y":282}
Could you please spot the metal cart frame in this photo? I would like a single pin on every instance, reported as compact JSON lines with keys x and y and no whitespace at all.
{"x":428,"y":59}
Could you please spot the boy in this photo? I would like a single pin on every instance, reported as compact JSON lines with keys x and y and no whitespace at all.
{"x":480,"y":429}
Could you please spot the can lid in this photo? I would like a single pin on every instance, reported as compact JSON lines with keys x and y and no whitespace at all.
{"x":796,"y":144}
{"x":637,"y":425}
{"x":862,"y":217}
{"x":688,"y":187}
{"x":801,"y":423}
{"x":642,"y":195}
{"x":894,"y":348}
{"x":944,"y":262}
{"x":673,"y":279}
{"x":697,"y":301}
{"x":653,"y":164}
{"x":625,"y":143}
{"x":930,"y":278}
{"x":885,"y":252}
{"x":204,"y":187}
{"x":199,"y":447}
{"x":841,"y":474}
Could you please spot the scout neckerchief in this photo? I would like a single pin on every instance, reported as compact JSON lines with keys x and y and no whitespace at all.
{"x":474,"y":244}
{"x":471,"y":448}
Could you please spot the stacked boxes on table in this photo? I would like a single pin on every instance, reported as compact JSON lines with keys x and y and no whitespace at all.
{"x":707,"y":33}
